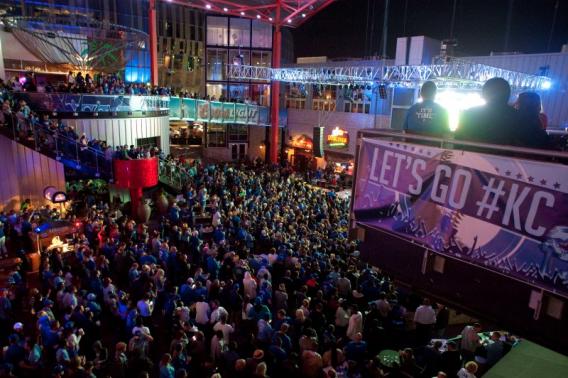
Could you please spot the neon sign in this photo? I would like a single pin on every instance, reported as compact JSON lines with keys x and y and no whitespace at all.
{"x":338,"y":138}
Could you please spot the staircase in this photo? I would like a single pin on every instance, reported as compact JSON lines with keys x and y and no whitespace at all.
{"x":80,"y":161}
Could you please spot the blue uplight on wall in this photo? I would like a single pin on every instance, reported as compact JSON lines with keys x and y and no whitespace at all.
{"x":137,"y":68}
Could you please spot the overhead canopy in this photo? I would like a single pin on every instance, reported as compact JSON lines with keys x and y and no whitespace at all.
{"x":293,"y":12}
{"x":530,"y":360}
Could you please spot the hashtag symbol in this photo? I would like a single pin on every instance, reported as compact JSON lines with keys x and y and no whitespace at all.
{"x":490,"y":198}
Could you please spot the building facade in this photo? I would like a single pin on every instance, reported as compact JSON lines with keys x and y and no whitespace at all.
{"x":234,"y":40}
{"x":180,"y":36}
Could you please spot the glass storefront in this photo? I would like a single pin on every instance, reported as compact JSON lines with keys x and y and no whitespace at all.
{"x":217,"y":91}
{"x":217,"y":31}
{"x":261,"y":35}
{"x":232,"y":40}
{"x":216,"y":64}
{"x":216,"y":135}
{"x":239,"y":32}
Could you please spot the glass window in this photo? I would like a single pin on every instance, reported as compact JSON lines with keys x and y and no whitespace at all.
{"x":261,"y":34}
{"x":217,"y":31}
{"x":217,"y":91}
{"x":238,"y":133}
{"x":239,"y":93}
{"x":239,"y":57}
{"x":216,"y":135}
{"x":216,"y":64}
{"x":240,"y":32}
{"x":261,"y":58}
{"x":260,"y":94}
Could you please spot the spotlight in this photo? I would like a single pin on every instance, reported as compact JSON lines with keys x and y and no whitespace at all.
{"x":269,"y":18}
{"x":208,"y":6}
{"x":546,"y":85}
{"x":225,"y":9}
{"x":289,"y":20}
{"x":303,"y":15}
{"x":258,"y":16}
{"x":242,"y":13}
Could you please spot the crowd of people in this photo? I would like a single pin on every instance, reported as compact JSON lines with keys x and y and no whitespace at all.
{"x":102,"y":84}
{"x":496,"y":122}
{"x":248,"y":273}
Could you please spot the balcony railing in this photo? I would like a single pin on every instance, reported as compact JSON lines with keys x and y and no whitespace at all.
{"x":93,"y":104}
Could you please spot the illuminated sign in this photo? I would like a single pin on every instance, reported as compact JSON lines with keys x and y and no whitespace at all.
{"x":338,"y":138}
{"x":302,"y":141}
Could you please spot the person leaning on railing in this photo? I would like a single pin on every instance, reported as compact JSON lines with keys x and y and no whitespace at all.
{"x":497,"y":122}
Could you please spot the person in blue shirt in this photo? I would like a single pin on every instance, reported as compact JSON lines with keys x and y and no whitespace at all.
{"x":427,"y":117}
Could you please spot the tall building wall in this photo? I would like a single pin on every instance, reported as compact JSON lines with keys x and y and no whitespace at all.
{"x":25,"y":174}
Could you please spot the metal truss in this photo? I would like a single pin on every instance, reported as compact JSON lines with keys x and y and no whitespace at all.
{"x":458,"y":74}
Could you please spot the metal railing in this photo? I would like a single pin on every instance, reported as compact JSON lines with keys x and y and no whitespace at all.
{"x":92,"y":103}
{"x":53,"y":143}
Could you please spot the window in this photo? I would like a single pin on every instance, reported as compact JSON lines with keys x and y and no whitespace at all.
{"x":261,"y":58}
{"x":216,"y":135}
{"x":261,"y":94}
{"x":261,"y":34}
{"x":239,"y":92}
{"x":239,"y":57}
{"x":148,"y":142}
{"x":217,"y":91}
{"x":238,"y":133}
{"x":216,"y":64}
{"x":137,"y":68}
{"x":217,"y":31}
{"x":240,"y":32}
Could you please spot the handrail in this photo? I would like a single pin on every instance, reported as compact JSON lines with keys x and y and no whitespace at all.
{"x":74,"y":151}
{"x":444,"y":141}
{"x":60,"y":136}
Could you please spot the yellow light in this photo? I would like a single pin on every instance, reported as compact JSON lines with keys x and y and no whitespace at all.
{"x":456,"y":102}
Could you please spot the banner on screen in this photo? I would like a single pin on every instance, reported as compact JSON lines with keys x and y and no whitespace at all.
{"x":189,"y":107}
{"x":175,"y":108}
{"x":203,"y":110}
{"x":241,"y":113}
{"x":216,"y":112}
{"x":505,"y":214}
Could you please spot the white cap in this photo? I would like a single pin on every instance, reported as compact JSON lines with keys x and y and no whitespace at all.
{"x":18,"y":326}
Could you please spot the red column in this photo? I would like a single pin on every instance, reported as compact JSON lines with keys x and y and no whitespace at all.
{"x":153,"y":33}
{"x":275,"y":93}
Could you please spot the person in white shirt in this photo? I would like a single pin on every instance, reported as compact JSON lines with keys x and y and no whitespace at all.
{"x":355,"y":324}
{"x":145,"y":307}
{"x":217,"y":313}
{"x":202,"y":311}
{"x":341,"y":318}
{"x":249,"y":285}
{"x":222,"y":326}
{"x":424,"y":319}
{"x":468,"y":371}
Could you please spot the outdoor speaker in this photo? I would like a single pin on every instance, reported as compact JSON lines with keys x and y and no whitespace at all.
{"x":318,"y":141}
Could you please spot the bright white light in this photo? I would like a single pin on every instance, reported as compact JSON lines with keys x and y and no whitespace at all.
{"x":258,"y":16}
{"x":269,"y":18}
{"x":289,"y":20}
{"x":456,"y":102}
{"x":242,"y":13}
{"x":547,"y":84}
{"x":225,"y":9}
{"x":303,"y":15}
{"x":208,"y":6}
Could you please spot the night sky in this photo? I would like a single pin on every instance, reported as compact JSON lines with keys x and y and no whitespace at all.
{"x":340,"y":30}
